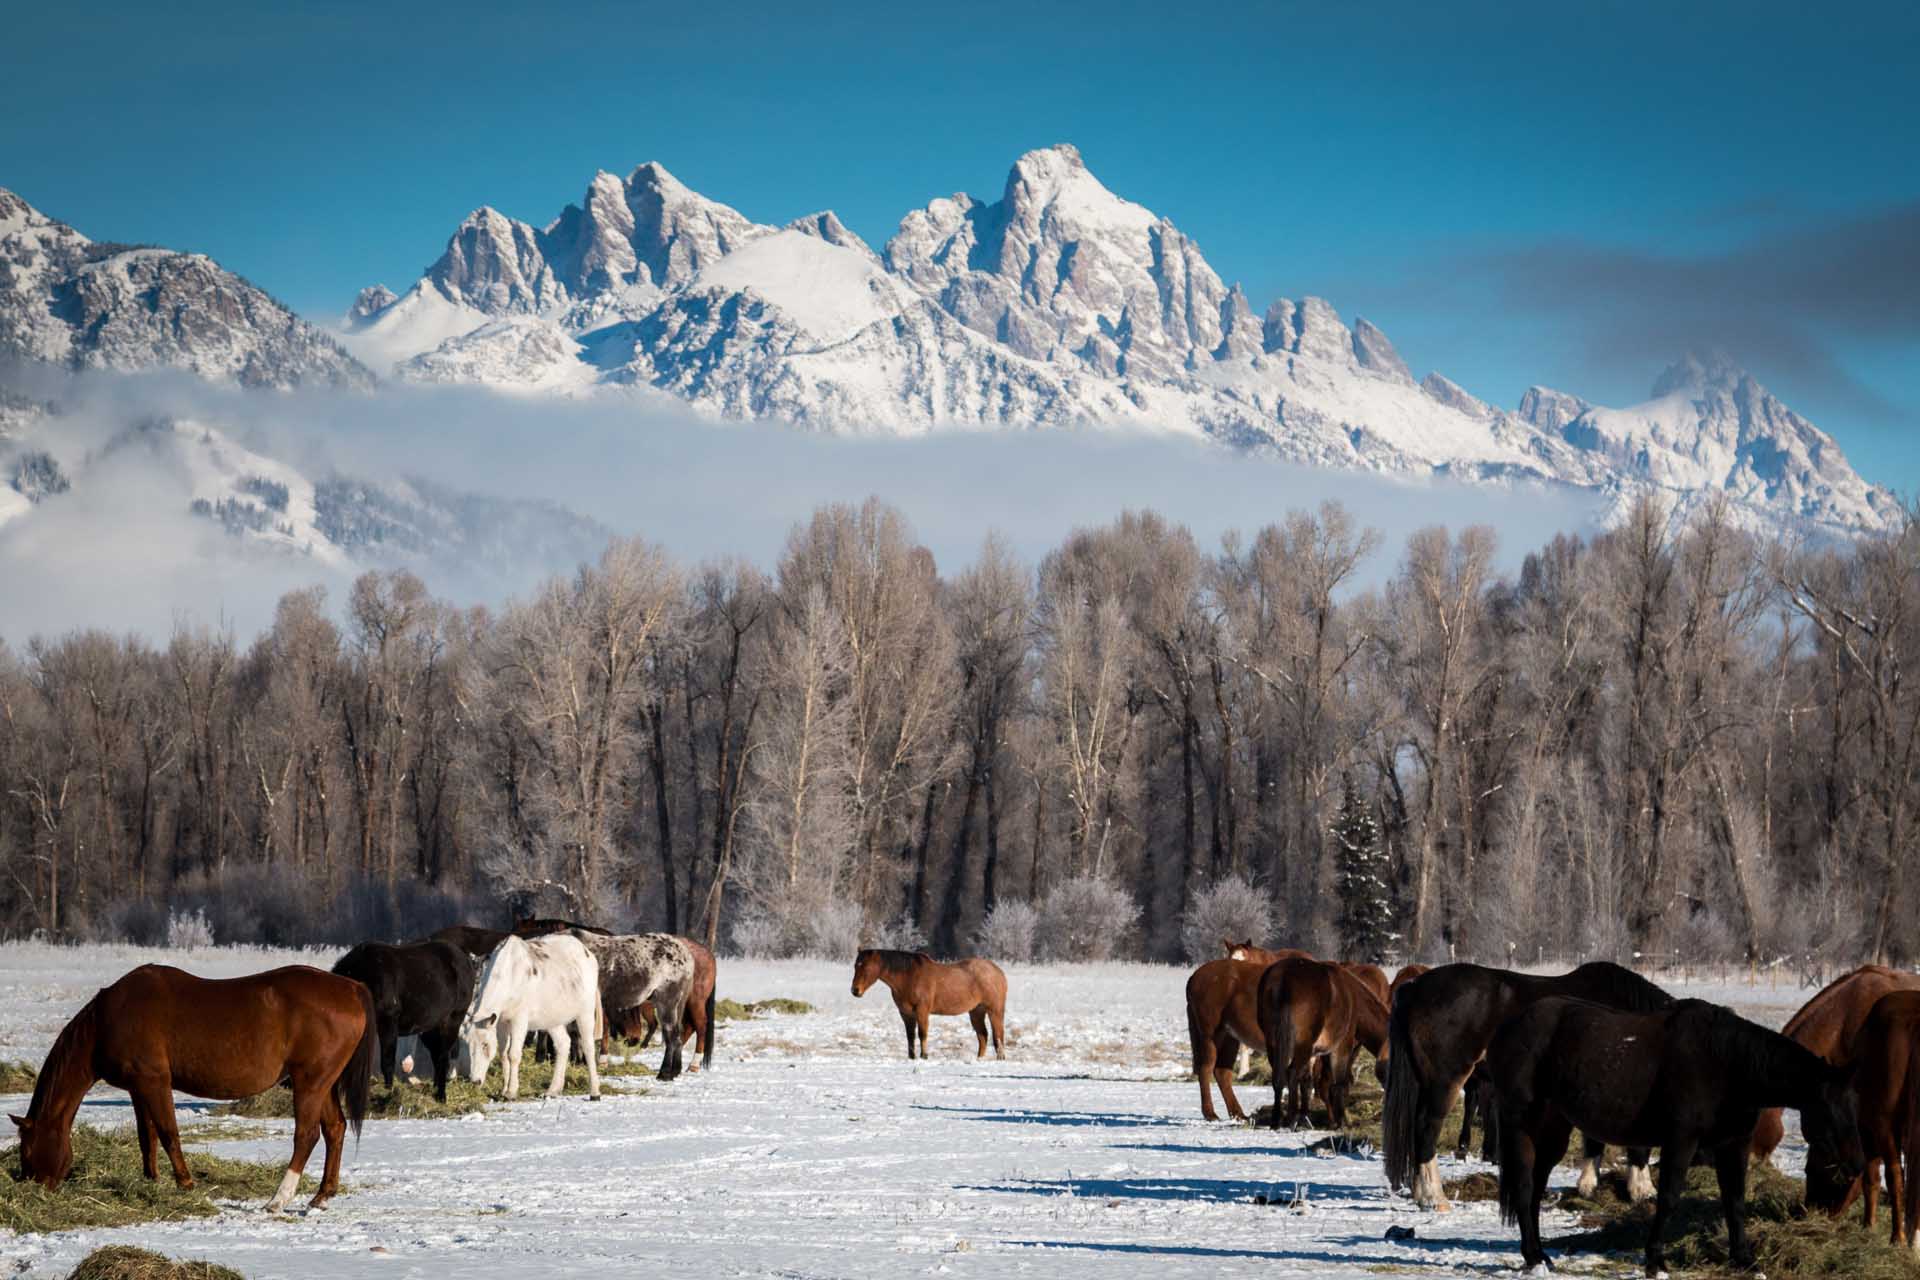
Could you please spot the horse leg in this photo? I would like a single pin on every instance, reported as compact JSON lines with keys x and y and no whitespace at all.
{"x":155,"y":1093}
{"x":1339,"y":1079}
{"x":1675,"y":1159}
{"x":1466,"y":1124}
{"x":1869,"y":1188}
{"x":1205,"y":1069}
{"x":1640,"y":1187}
{"x":149,"y":1166}
{"x":309,"y":1105}
{"x":906,"y":1018}
{"x":516,"y":1046}
{"x":1427,"y":1192}
{"x":1548,"y":1144}
{"x":921,"y":1017}
{"x":1223,"y":1075}
{"x":977,"y":1016}
{"x":333,"y":1128}
{"x":562,"y":1060}
{"x":997,"y":1015}
{"x":1591,"y":1154}
{"x":1896,"y":1196}
{"x":1730,"y":1162}
{"x":1517,"y":1180}
{"x":439,"y":1043}
{"x":389,"y":1047}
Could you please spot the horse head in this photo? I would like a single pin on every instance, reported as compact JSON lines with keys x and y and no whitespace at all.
{"x":866,"y":971}
{"x":1236,"y":950}
{"x":1831,"y":1122}
{"x":46,"y":1151}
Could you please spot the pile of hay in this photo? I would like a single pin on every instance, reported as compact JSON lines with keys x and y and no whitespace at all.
{"x":106,"y":1188}
{"x":734,"y":1011}
{"x":17,"y":1077}
{"x":416,"y":1102}
{"x":124,"y":1262}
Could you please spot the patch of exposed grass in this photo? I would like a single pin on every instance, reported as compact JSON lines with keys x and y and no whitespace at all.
{"x":17,"y":1077}
{"x":734,"y":1011}
{"x":107,"y":1189}
{"x":125,"y":1262}
{"x":1480,"y":1185}
{"x":1787,"y":1239}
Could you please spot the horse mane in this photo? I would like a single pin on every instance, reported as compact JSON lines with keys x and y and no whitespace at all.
{"x":1763,"y":1052}
{"x":899,"y":961}
{"x":71,"y":1056}
{"x":1622,"y":988}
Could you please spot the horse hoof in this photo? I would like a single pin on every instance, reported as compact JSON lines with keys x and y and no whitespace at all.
{"x":593,"y":1097}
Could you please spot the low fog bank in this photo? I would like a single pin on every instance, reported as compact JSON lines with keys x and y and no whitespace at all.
{"x":121,"y":551}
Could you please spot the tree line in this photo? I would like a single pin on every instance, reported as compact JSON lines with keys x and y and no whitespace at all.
{"x":1676,"y":737}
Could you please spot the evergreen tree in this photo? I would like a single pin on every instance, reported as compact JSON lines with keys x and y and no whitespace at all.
{"x":1366,"y":901}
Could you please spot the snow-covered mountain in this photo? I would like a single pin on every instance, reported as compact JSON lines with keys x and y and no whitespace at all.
{"x":1058,"y":303}
{"x":67,"y":300}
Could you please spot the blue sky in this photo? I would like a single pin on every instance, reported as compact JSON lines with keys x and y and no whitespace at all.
{"x":1563,"y":195}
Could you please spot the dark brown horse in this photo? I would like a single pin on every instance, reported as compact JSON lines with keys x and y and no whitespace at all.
{"x":1689,"y":1077}
{"x":159,"y":1029}
{"x":1223,"y":1013}
{"x":1827,"y":1024}
{"x":1442,"y":1022}
{"x":1311,"y":1010}
{"x":923,"y":986}
{"x":641,"y":1024}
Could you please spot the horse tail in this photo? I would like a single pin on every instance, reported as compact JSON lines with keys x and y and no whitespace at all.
{"x":1515,"y":1190}
{"x":354,"y":1087}
{"x":1277,"y":1021}
{"x":1197,"y":1037}
{"x":706,"y":1052}
{"x":1403,"y":1116}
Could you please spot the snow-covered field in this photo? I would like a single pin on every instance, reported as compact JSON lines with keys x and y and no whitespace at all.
{"x":814,"y":1149}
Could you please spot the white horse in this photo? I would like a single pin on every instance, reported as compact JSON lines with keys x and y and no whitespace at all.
{"x":542,"y":984}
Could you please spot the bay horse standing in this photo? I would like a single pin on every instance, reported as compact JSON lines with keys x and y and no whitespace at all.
{"x":419,"y":989}
{"x":1223,"y":1016}
{"x":638,"y":967}
{"x":1690,"y":1076}
{"x":1827,"y":1024}
{"x":923,"y":987}
{"x":544,"y":983}
{"x":1311,"y":1010}
{"x":1442,"y":1022}
{"x":158,"y":1029}
{"x":643,"y":1022}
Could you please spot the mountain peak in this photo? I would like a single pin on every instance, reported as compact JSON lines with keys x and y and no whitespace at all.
{"x":1055,"y":181}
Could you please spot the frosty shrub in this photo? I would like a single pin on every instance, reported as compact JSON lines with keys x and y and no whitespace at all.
{"x":1086,"y":918}
{"x":757,"y":937}
{"x":1229,"y":908}
{"x":187,"y":930}
{"x":1008,"y":932}
{"x":897,"y":934}
{"x":834,"y":930}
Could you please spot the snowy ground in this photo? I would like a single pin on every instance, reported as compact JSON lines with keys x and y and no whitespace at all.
{"x":814,"y":1149}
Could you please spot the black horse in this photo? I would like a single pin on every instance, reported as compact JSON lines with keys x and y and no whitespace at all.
{"x":419,"y":988}
{"x":1692,"y":1076}
{"x":1443,"y":1021}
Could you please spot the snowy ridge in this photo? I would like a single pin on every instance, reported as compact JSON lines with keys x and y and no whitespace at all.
{"x":1060,"y":302}
{"x":67,"y":300}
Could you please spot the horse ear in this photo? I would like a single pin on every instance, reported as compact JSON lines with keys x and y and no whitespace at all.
{"x":19,"y":1121}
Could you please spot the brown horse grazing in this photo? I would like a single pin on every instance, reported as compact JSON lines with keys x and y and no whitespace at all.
{"x":1441,"y":1024}
{"x":159,"y":1029}
{"x":1309,"y":1010}
{"x":1885,"y":1060}
{"x":1223,"y":1013}
{"x":1690,"y":1077}
{"x":923,"y":986}
{"x":641,"y":1024}
{"x":1258,"y":955}
{"x":1827,"y":1024}
{"x":1373,"y":978}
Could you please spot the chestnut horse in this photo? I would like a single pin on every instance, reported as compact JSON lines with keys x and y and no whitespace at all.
{"x":1223,"y":1014}
{"x":1688,"y":1077}
{"x":159,"y":1029}
{"x":923,"y":986}
{"x":1827,"y":1024}
{"x":1440,"y":1026}
{"x":1373,"y":978}
{"x":1308,"y":1010}
{"x":641,"y":1023}
{"x":1407,"y":973}
{"x":1885,"y":1060}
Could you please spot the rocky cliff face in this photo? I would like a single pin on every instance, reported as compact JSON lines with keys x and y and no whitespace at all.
{"x":68,"y":300}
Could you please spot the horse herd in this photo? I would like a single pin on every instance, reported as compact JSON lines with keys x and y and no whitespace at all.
{"x":464,"y":991}
{"x":1600,"y":1049}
